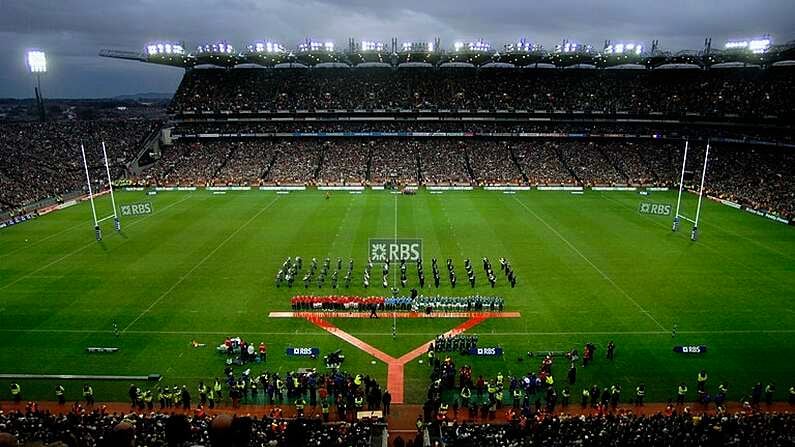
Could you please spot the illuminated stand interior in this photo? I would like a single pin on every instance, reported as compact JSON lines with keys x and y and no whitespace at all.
{"x":677,"y":216}
{"x":114,"y":216}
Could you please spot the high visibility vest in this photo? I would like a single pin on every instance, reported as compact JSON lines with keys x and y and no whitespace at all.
{"x":15,"y":389}
{"x":443,"y":408}
{"x":279,"y":385}
{"x":59,"y":391}
{"x":211,"y":395}
{"x":466,"y":393}
{"x":586,"y":393}
{"x":359,"y":401}
{"x":324,"y":407}
{"x":682,"y":390}
{"x":517,"y":394}
{"x":702,"y":378}
{"x":299,"y":404}
{"x":88,"y":391}
{"x":640,"y":391}
{"x":492,"y":389}
{"x":217,"y":386}
{"x":500,"y":378}
{"x":550,"y":380}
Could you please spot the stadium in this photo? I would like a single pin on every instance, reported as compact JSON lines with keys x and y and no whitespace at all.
{"x":247,"y":266}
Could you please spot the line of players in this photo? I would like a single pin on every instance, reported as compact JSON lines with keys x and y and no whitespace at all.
{"x":291,"y":268}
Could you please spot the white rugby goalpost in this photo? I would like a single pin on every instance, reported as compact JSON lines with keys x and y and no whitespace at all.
{"x":678,"y":217}
{"x":114,"y":215}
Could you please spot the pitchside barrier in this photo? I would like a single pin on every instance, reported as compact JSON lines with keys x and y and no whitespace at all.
{"x":150,"y":377}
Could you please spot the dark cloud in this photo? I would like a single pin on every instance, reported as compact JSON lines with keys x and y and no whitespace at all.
{"x":73,"y":31}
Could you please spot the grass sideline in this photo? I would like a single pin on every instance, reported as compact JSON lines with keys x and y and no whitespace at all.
{"x":590,"y":269}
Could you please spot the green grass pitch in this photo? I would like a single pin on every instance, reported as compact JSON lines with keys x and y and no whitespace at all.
{"x":590,"y":269}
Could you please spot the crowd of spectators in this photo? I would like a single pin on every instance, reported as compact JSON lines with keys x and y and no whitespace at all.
{"x":345,"y":162}
{"x":760,"y":178}
{"x":542,"y":163}
{"x":100,"y":428}
{"x":296,"y":162}
{"x":742,"y":92}
{"x":492,"y":163}
{"x":444,"y":162}
{"x":40,"y":161}
{"x":395,"y":161}
{"x":43,"y":160}
{"x":627,"y":429}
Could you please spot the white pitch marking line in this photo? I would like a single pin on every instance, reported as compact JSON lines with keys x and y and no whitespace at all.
{"x":607,"y":278}
{"x":199,"y":264}
{"x":27,"y":275}
{"x":33,"y":244}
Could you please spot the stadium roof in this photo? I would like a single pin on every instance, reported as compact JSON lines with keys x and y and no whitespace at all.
{"x":318,"y":54}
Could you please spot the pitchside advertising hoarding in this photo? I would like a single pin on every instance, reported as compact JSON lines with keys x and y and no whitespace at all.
{"x":395,"y":250}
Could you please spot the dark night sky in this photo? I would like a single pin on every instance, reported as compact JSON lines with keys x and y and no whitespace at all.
{"x":73,"y":31}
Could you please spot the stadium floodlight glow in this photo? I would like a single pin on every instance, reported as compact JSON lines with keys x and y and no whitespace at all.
{"x":754,"y":45}
{"x":265,"y":46}
{"x":37,"y":61}
{"x":221,"y":47}
{"x":567,"y":47}
{"x":417,"y":47}
{"x":370,"y":45}
{"x":623,"y":48}
{"x":522,"y":45}
{"x":157,"y":48}
{"x":759,"y":45}
{"x":479,"y":45}
{"x":314,"y":46}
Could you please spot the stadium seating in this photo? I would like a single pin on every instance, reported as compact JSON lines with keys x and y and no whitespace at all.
{"x":741,"y":92}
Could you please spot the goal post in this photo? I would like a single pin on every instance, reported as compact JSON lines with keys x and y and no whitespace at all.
{"x":114,"y":215}
{"x":679,"y":216}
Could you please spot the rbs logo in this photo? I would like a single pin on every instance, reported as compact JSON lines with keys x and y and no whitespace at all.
{"x":381,"y":250}
{"x":136,"y":209}
{"x":658,"y":209}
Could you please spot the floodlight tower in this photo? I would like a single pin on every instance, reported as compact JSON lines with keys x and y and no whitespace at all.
{"x":37,"y":64}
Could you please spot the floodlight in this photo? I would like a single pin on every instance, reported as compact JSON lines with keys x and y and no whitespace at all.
{"x":759,"y":45}
{"x":458,"y":45}
{"x":736,"y":44}
{"x":37,"y":61}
